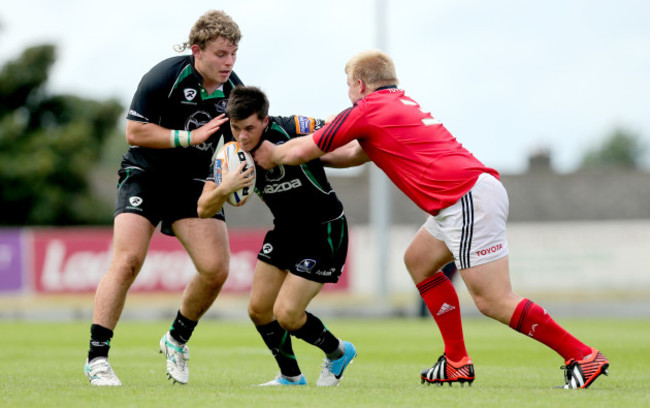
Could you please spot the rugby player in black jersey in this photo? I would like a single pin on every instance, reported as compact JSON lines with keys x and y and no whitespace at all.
{"x":306,"y":248}
{"x":175,"y":123}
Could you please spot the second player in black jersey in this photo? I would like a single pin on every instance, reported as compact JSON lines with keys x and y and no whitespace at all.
{"x":306,"y":248}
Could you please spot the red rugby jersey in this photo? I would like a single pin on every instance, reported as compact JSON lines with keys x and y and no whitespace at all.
{"x":415,"y":150}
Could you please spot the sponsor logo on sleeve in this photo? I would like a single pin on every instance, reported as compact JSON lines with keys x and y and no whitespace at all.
{"x":304,"y":125}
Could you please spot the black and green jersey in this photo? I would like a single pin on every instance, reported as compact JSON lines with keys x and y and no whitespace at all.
{"x":171,"y":95}
{"x":296,"y":195}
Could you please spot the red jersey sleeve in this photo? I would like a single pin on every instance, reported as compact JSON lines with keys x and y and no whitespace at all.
{"x":343,"y":129}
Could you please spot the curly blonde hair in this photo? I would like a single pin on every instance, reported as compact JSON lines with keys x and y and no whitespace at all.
{"x":210,"y":26}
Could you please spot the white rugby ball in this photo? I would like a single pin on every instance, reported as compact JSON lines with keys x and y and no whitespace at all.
{"x":230,"y":157}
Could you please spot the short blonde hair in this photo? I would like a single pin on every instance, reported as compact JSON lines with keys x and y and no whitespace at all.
{"x":373,"y":67}
{"x":210,"y":26}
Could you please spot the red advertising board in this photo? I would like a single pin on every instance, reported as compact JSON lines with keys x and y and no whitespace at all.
{"x":73,"y":260}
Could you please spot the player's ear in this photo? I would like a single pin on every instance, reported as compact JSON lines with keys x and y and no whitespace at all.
{"x":362,"y":86}
{"x":265,"y":122}
{"x":196,"y":51}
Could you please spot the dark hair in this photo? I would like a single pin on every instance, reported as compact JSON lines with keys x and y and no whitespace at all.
{"x":245,"y":101}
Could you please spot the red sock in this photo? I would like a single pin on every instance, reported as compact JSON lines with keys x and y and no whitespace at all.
{"x":532,"y":320}
{"x":441,"y":299}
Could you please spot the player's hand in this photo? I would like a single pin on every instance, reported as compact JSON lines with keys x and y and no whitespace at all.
{"x":263,"y":155}
{"x":200,"y":135}
{"x":232,"y":181}
{"x":331,"y":118}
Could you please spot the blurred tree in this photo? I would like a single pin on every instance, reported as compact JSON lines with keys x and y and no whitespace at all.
{"x":620,"y":150}
{"x":48,"y":146}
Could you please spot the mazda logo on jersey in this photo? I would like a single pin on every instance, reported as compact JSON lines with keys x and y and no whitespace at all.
{"x":305,"y":266}
{"x":189,"y":93}
{"x":282,"y":187}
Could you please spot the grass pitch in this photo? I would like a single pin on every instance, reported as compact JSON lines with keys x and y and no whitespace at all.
{"x":41,"y":365}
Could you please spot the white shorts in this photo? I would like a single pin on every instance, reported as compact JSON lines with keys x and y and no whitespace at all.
{"x":474,"y":228}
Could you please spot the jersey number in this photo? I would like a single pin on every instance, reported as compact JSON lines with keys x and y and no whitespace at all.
{"x":426,"y":121}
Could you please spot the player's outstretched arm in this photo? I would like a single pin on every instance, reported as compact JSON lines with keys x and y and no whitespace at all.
{"x":157,"y":137}
{"x":349,"y":155}
{"x":294,"y":152}
{"x":213,"y":197}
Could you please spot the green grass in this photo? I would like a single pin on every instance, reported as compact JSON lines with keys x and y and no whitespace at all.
{"x":41,"y":366}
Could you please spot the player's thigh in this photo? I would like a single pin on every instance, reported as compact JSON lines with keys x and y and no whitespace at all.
{"x":490,"y":280}
{"x":491,"y":289}
{"x":294,"y":297}
{"x":426,"y":255}
{"x":131,"y":237}
{"x":206,"y":242}
{"x":267,"y":282}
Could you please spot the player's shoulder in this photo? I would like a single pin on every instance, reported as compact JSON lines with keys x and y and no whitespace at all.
{"x":168,"y":70}
{"x":171,"y":66}
{"x":234,"y":79}
{"x":383,"y":100}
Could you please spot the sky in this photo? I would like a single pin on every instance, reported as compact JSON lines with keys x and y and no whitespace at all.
{"x":506,"y":77}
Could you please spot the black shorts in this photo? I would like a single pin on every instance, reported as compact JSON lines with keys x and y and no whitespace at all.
{"x":158,"y":199}
{"x":316,"y":253}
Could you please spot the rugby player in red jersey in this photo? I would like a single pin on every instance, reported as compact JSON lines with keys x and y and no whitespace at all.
{"x":468,"y":208}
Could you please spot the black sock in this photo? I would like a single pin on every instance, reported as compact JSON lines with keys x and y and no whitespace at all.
{"x":100,"y":341}
{"x":182,"y":328}
{"x":278,"y":341}
{"x":314,"y":332}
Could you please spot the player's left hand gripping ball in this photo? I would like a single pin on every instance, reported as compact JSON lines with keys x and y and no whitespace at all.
{"x":230,"y":157}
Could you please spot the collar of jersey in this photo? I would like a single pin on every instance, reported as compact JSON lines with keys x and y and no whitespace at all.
{"x":386,"y":87}
{"x":218,"y":93}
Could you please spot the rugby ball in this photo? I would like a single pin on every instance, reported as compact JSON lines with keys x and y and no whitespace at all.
{"x":230,"y":157}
